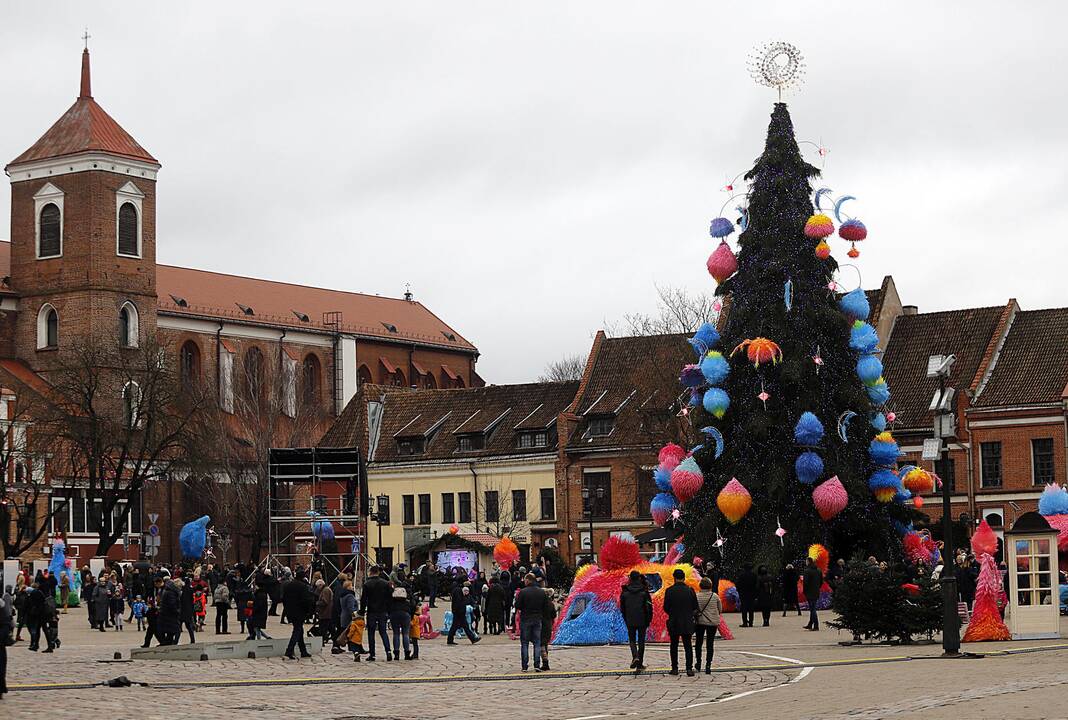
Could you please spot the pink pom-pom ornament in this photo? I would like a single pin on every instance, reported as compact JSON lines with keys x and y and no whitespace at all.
{"x":670,"y":456}
{"x":686,"y":482}
{"x":818,"y":227}
{"x":722,"y":263}
{"x":830,"y":498}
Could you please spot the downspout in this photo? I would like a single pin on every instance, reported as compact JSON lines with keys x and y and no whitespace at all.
{"x":218,"y":364}
{"x":474,"y":481}
{"x":411,"y":366}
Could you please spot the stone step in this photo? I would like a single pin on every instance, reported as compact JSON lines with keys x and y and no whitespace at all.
{"x":275,"y":647}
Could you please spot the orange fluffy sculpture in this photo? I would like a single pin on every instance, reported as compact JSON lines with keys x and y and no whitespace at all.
{"x":506,"y":553}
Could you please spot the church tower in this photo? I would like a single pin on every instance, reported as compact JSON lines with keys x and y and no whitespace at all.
{"x":83,"y":236}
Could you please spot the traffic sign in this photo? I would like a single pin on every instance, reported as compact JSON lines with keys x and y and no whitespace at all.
{"x":153,"y":530}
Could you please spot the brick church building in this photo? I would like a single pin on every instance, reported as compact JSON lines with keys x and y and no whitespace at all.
{"x":80,"y":270}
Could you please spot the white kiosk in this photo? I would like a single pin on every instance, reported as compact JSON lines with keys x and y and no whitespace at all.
{"x":1031,"y":554}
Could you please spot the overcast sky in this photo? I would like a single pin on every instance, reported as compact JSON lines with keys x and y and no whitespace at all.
{"x":534,"y":169}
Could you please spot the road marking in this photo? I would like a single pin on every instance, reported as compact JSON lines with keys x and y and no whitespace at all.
{"x":805,"y":670}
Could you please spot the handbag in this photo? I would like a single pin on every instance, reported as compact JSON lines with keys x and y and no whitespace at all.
{"x":701,"y":611}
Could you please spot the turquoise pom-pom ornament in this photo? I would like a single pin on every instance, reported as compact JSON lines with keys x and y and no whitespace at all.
{"x":714,"y":367}
{"x":855,"y":305}
{"x":878,"y":392}
{"x":716,"y":402}
{"x":869,"y":369}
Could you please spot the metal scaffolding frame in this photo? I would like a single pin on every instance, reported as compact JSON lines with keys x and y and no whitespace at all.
{"x":288,"y":517}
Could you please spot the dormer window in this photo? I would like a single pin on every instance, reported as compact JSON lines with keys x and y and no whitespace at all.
{"x":390,"y":327}
{"x":601,"y":425}
{"x":451,"y":337}
{"x":303,"y":317}
{"x":245,"y":309}
{"x":128,"y":221}
{"x":538,"y":439}
{"x":415,"y":445}
{"x":470,"y":442}
{"x":180,"y":301}
{"x":48,"y":206}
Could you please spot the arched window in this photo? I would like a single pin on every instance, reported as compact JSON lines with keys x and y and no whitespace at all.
{"x":310,"y":380}
{"x":459,"y":382}
{"x":128,"y":235}
{"x":363,"y":374}
{"x":397,"y":379}
{"x":254,"y":376}
{"x":189,"y":363}
{"x":131,"y":405}
{"x":128,"y":326}
{"x":50,"y":232}
{"x":429,"y":383}
{"x":47,"y":327}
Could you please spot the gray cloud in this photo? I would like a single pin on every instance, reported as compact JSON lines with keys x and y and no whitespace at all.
{"x":534,"y":170}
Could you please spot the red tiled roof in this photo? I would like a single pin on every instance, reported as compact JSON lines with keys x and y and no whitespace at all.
{"x":964,"y":333}
{"x":1032,"y":366}
{"x":21,"y":371}
{"x":484,"y":539}
{"x":85,"y":127}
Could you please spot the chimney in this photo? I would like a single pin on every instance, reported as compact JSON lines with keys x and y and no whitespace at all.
{"x":910,"y":310}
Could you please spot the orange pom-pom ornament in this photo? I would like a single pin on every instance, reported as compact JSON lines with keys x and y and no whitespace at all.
{"x":760,"y":350}
{"x":734,"y":501}
{"x":818,"y":227}
{"x":823,"y":250}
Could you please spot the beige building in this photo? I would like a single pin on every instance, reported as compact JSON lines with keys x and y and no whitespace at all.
{"x":474,"y":463}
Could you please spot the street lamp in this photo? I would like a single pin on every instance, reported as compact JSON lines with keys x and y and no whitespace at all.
{"x":938,"y":366}
{"x":587,"y":501}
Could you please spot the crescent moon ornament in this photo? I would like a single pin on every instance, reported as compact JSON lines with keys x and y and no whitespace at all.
{"x":838,"y":207}
{"x":788,"y":294}
{"x":716,"y":435}
{"x":843,"y":424}
{"x":743,"y":217}
{"x":819,"y":194}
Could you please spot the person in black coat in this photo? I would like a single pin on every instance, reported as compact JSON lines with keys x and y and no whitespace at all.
{"x":496,"y":607}
{"x":680,"y":604}
{"x":811,"y":582}
{"x":7,"y":625}
{"x":299,"y":600}
{"x":460,"y":600}
{"x":765,"y":594}
{"x":789,"y":590}
{"x":374,"y":602}
{"x":636,"y":605}
{"x":170,"y":611}
{"x":747,"y":593}
{"x":257,"y":621}
{"x":187,"y":615}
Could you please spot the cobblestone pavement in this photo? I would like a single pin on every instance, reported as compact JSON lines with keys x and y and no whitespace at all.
{"x":430,"y":688}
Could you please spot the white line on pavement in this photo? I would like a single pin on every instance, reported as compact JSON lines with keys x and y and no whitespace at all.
{"x":804,"y":672}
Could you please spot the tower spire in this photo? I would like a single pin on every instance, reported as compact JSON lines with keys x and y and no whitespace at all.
{"x":86,"y":90}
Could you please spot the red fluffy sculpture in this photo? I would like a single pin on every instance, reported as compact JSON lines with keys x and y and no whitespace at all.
{"x":670,"y":456}
{"x":620,"y":551}
{"x":986,"y":621}
{"x":984,"y":541}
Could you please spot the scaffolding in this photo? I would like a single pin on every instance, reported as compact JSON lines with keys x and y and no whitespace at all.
{"x":290,"y":513}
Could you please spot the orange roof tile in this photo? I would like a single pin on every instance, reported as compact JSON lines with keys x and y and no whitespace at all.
{"x":85,"y":127}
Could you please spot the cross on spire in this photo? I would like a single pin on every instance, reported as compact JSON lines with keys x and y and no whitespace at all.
{"x":86,"y":36}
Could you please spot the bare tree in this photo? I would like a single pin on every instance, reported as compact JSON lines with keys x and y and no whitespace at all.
{"x":678,"y":311}
{"x":117,"y":419}
{"x":228,"y":458}
{"x":24,"y":481}
{"x":569,"y":367}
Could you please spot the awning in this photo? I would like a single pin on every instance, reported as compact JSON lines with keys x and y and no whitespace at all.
{"x":228,"y":346}
{"x":418,"y":368}
{"x":655,"y":536}
{"x":390,"y":367}
{"x":449,"y":372}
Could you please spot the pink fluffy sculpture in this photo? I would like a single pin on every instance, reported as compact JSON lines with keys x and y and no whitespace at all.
{"x":830,"y":498}
{"x":722,"y":263}
{"x":986,"y":621}
{"x":670,"y":456}
{"x":984,"y":541}
{"x":686,"y":480}
{"x":620,"y":551}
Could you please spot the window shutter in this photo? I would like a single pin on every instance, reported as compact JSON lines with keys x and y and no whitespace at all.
{"x":127,"y":229}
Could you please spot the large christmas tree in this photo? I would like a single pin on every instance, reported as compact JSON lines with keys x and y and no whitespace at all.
{"x":789,"y":392}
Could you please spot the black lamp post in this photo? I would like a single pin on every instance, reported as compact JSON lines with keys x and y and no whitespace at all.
{"x":942,"y":406}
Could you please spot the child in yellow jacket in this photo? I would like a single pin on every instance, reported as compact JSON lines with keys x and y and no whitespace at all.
{"x":355,"y":637}
{"x":414,"y":634}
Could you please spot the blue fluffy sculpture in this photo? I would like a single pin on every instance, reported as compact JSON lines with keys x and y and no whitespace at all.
{"x":58,"y":563}
{"x":882,"y":451}
{"x":662,"y":478}
{"x":194,"y":538}
{"x":855,"y":305}
{"x":809,"y":430}
{"x":809,"y":467}
{"x":869,"y":369}
{"x":1053,"y":501}
{"x":863,"y":337}
{"x":714,"y":367}
{"x":878,"y":421}
{"x":878,"y":392}
{"x":321,"y":529}
{"x":704,"y":339}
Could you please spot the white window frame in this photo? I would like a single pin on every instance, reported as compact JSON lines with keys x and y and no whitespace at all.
{"x":135,"y":421}
{"x":132,"y":340}
{"x":226,"y":380}
{"x":289,"y":386}
{"x":129,"y":193}
{"x":42,"y":326}
{"x":49,"y":193}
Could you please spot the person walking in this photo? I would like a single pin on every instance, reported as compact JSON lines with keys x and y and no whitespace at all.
{"x":220,"y":598}
{"x":432,"y":582}
{"x":680,"y":604}
{"x":50,"y":623}
{"x":495,"y":607}
{"x":7,"y":626}
{"x":636,"y":604}
{"x":709,"y":610}
{"x":811,"y":581}
{"x":324,"y":610}
{"x":101,"y":603}
{"x":401,"y":610}
{"x":530,"y":605}
{"x":19,"y":606}
{"x":35,"y":610}
{"x":299,"y":601}
{"x":460,"y":598}
{"x":788,"y":580}
{"x":374,"y":603}
{"x":747,"y":593}
{"x":256,"y":617}
{"x":242,"y":593}
{"x":186,"y":612}
{"x":348,"y":606}
{"x":765,"y":593}
{"x":118,"y":607}
{"x":170,"y":612}
{"x":548,"y":615}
